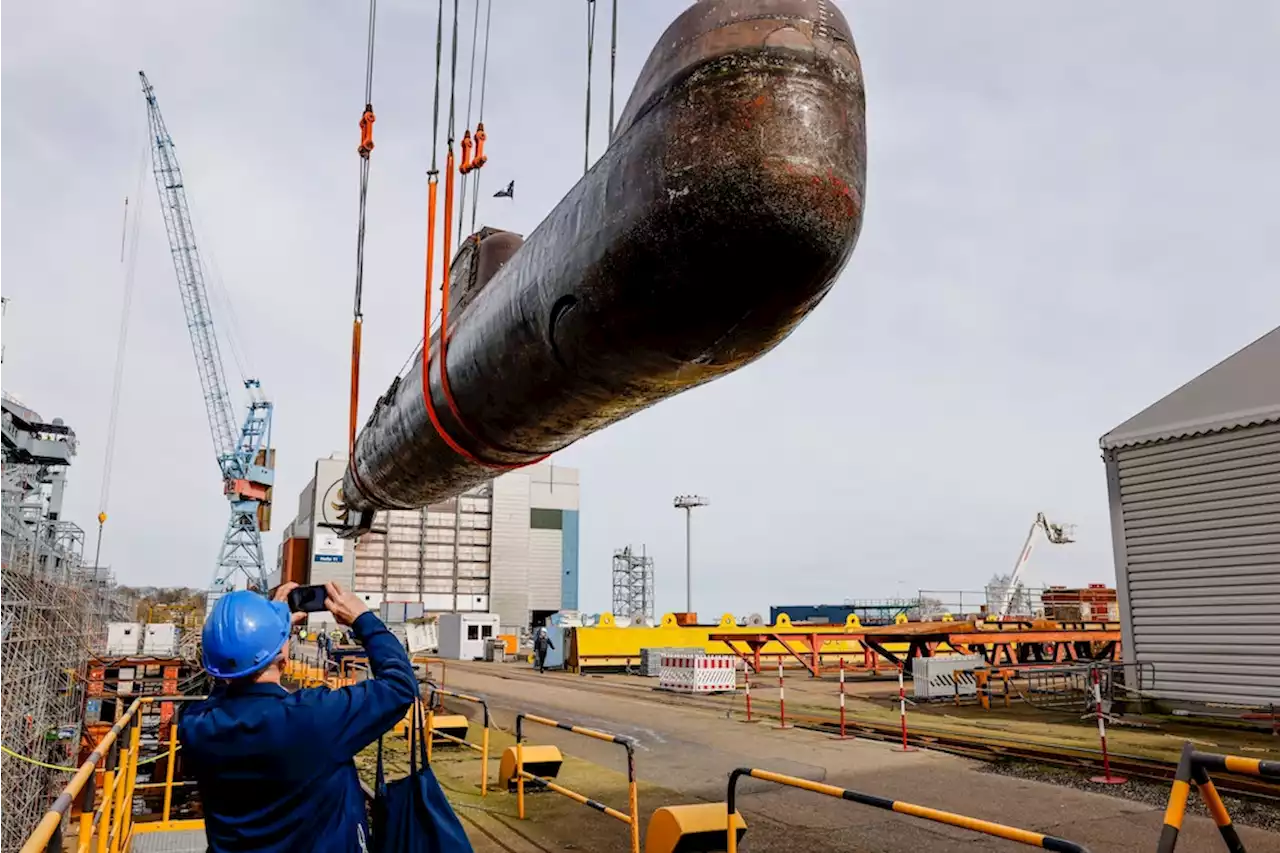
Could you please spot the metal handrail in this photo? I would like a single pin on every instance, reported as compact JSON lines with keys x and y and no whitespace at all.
{"x":632,"y":819}
{"x":482,"y":747}
{"x":119,"y":782}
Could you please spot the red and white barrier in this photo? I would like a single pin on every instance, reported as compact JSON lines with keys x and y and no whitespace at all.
{"x":842,"y":734}
{"x":1106,"y":778}
{"x":782,"y":699}
{"x":902,"y":711}
{"x":699,"y":674}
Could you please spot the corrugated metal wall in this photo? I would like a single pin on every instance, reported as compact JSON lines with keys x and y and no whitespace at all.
{"x":1196,"y":524}
{"x":438,"y":555}
{"x":510,"y":569}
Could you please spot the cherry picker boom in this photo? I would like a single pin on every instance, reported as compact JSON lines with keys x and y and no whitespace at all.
{"x":245,"y":459}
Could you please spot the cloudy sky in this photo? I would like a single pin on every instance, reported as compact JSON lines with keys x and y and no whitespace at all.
{"x":1071,"y":210}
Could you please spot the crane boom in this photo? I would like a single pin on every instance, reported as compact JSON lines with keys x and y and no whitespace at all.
{"x":245,"y":459}
{"x":191,"y":286}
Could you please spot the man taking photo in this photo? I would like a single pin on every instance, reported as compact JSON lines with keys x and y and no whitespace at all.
{"x":274,"y":769}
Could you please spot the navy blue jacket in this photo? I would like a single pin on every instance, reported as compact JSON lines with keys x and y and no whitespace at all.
{"x":274,"y":769}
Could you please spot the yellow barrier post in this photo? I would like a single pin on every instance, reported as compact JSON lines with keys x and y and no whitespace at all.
{"x":433,"y":698}
{"x":131,"y":779}
{"x":117,"y":807}
{"x":108,"y":797}
{"x":168,"y":771}
{"x":998,"y":830}
{"x":632,"y":819}
{"x":1195,"y":766}
{"x":431,"y":718}
{"x":484,"y":761}
{"x":519,"y":779}
{"x":86,"y":814}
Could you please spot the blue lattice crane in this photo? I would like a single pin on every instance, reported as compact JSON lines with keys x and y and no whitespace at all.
{"x":245,"y":459}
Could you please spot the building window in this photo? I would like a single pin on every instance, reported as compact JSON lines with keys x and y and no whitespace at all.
{"x":546,"y":519}
{"x":473,"y":632}
{"x":486,"y":631}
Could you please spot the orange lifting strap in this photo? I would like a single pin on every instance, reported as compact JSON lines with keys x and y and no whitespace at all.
{"x":444,"y":331}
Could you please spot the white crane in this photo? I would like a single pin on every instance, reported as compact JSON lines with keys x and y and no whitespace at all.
{"x":1057,"y":534}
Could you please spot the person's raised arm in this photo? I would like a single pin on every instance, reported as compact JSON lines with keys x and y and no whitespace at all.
{"x":353,"y":717}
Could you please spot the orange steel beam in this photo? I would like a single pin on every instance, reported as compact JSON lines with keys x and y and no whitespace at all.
{"x":1040,"y":636}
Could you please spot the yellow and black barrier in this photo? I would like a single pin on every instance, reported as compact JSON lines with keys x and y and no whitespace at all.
{"x":448,"y":731}
{"x":1021,"y":836}
{"x":522,"y":775}
{"x":1194,"y":766}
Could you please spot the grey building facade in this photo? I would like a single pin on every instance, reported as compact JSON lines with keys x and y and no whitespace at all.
{"x":1194,"y":488}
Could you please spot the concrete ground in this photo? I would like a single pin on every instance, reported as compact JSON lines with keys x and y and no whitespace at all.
{"x":684,"y":754}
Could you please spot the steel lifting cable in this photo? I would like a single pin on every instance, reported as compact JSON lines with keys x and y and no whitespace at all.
{"x":468,"y":164}
{"x":591,"y":41}
{"x":481,"y":159}
{"x":447,"y":229}
{"x":613,"y":62}
{"x":433,"y":180}
{"x":367,"y":119}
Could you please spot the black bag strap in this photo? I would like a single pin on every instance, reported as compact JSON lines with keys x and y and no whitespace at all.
{"x":419,"y":725}
{"x":380,"y":779}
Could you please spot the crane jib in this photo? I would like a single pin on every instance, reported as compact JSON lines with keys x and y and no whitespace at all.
{"x":245,"y":458}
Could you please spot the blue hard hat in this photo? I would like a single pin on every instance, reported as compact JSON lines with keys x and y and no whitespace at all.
{"x":243,"y":634}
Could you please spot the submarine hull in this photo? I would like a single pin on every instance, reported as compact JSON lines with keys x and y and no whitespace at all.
{"x":727,"y":203}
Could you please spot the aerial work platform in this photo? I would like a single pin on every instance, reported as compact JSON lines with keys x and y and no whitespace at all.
{"x":1003,"y":643}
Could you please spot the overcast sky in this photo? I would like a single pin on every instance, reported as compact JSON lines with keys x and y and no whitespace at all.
{"x":1071,"y":211}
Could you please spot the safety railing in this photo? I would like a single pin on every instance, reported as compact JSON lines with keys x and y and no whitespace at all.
{"x":434,"y":693}
{"x":111,"y":824}
{"x":1021,"y":836}
{"x":428,"y":662}
{"x":306,"y":671}
{"x":1194,"y":766}
{"x":631,"y":818}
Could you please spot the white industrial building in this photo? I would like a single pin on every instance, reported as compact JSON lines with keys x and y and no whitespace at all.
{"x":1194,"y":488}
{"x":509,"y":547}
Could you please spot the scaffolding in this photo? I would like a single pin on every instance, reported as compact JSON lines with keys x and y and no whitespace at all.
{"x":55,"y":610}
{"x":633,"y":586}
{"x":53,"y":616}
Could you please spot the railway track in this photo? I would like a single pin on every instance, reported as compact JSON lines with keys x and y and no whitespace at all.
{"x":979,"y":747}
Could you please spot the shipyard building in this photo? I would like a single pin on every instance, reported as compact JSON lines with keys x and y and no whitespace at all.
{"x":507,"y":547}
{"x":1194,"y":488}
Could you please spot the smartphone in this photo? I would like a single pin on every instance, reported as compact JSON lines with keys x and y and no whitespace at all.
{"x":307,"y":599}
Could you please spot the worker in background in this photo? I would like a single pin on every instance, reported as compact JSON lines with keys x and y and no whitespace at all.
{"x":541,"y":643}
{"x":274,"y":769}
